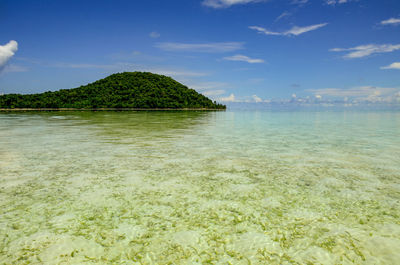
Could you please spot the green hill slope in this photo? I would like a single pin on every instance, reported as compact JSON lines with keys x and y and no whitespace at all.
{"x":122,"y":90}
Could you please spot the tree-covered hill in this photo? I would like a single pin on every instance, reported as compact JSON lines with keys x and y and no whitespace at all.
{"x":122,"y":90}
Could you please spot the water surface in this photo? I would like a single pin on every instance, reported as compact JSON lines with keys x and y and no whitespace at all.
{"x":200,"y":187}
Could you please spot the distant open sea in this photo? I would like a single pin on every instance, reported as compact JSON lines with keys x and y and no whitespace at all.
{"x":187,"y":187}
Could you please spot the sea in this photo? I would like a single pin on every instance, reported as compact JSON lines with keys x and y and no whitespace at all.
{"x":200,"y":187}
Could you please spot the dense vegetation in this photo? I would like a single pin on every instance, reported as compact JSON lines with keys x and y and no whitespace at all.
{"x":122,"y":90}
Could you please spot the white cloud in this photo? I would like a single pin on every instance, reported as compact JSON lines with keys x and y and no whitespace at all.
{"x":360,"y":94}
{"x":257,"y":99}
{"x":243,"y":58}
{"x":154,"y":35}
{"x":391,"y":21}
{"x":366,"y":50}
{"x":7,"y":51}
{"x":246,"y":99}
{"x":231,"y":98}
{"x":392,"y":66}
{"x":227,"y":3}
{"x":295,"y":31}
{"x":330,"y":97}
{"x":283,"y":15}
{"x":299,"y":2}
{"x":336,"y":2}
{"x":265,"y":31}
{"x":216,"y":47}
{"x":300,"y":30}
{"x":352,"y":92}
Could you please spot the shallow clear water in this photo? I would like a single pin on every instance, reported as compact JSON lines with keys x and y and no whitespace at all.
{"x":200,"y":188}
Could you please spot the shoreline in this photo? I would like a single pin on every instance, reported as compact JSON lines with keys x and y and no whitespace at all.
{"x":108,"y":109}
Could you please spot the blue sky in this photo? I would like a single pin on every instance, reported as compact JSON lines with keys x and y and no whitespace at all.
{"x":311,"y":51}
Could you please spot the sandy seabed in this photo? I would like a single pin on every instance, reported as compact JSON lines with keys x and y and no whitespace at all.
{"x":200,"y":188}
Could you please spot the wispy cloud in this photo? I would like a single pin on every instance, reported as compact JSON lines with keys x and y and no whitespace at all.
{"x":395,"y":65}
{"x":366,"y":50}
{"x":228,"y":3}
{"x":13,"y":68}
{"x":285,"y":14}
{"x":212,"y":93}
{"x":336,"y":2}
{"x":360,"y":94}
{"x":295,"y":31}
{"x":243,"y":58}
{"x":6,"y":52}
{"x":154,"y":35}
{"x":352,"y":92}
{"x":211,"y":89}
{"x":299,"y":2}
{"x":202,"y":86}
{"x":216,"y":47}
{"x":391,"y":21}
{"x":257,"y":80}
{"x":85,"y":65}
{"x":126,"y":67}
{"x":168,"y":72}
{"x":120,"y":67}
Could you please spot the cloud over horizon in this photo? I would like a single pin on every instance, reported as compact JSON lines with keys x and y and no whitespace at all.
{"x":230,"y":98}
{"x":371,"y":94}
{"x":294,"y":31}
{"x":6,"y":52}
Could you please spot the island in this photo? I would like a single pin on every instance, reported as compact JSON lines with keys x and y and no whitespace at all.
{"x":128,"y":90}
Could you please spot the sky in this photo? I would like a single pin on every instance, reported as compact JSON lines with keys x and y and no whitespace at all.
{"x":255,"y":51}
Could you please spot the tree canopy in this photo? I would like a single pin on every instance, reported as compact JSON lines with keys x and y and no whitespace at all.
{"x":122,"y":90}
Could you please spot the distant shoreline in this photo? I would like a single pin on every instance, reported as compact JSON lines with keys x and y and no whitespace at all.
{"x":108,"y":109}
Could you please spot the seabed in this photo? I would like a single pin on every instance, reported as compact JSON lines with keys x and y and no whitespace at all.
{"x":199,"y":188}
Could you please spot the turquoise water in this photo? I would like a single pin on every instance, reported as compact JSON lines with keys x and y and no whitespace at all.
{"x":245,"y":187}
